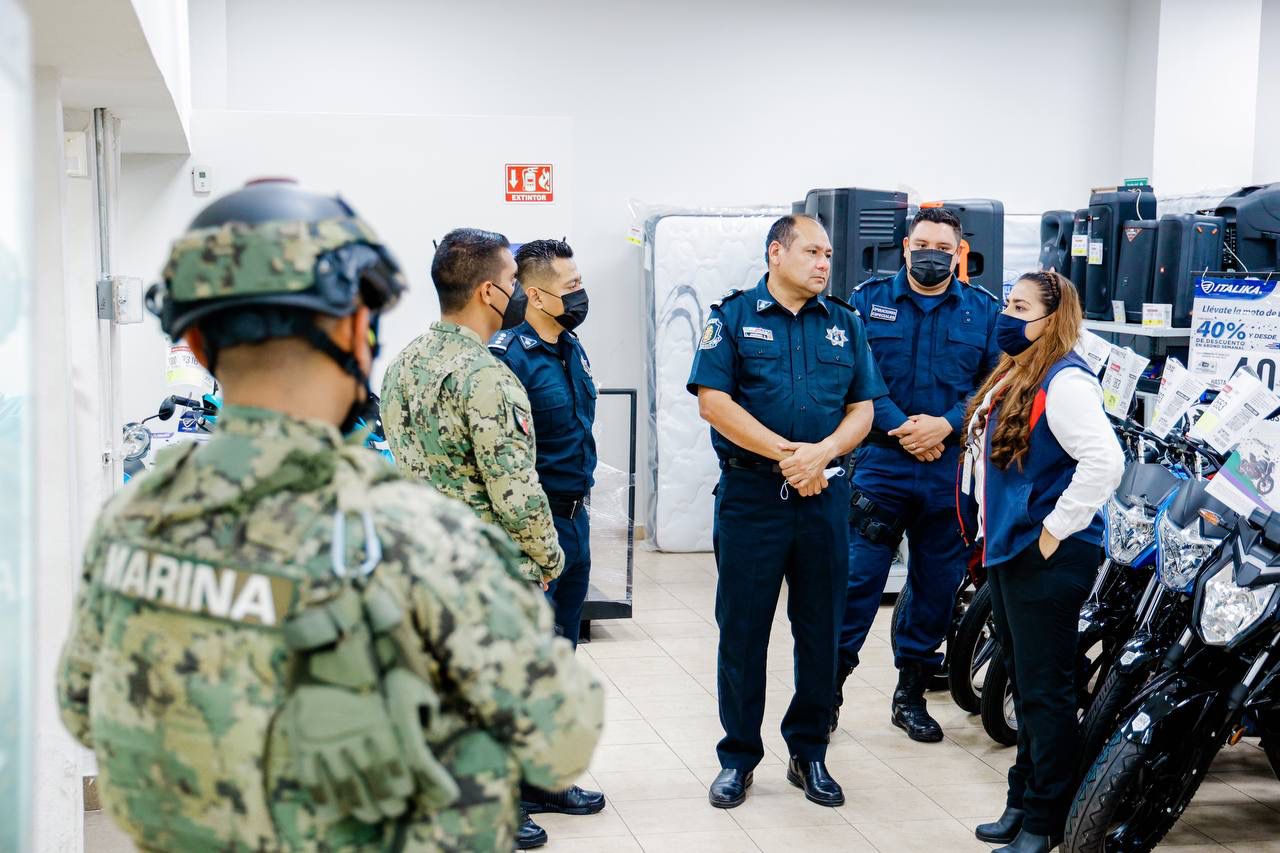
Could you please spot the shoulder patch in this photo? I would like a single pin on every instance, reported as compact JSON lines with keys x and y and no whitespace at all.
{"x":875,"y":279}
{"x":732,"y":294}
{"x":502,"y":340}
{"x":982,"y":290}
{"x":712,"y":334}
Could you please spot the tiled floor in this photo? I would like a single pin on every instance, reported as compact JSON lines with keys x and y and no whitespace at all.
{"x":658,"y":753}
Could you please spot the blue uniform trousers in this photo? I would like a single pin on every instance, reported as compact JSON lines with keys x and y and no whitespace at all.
{"x":921,"y":496}
{"x":760,"y":538}
{"x":567,"y":593}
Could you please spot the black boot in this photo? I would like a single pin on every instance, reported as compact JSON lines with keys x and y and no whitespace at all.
{"x":841,"y":677}
{"x":817,"y":783}
{"x":1004,"y":829}
{"x":1028,"y":842}
{"x":574,"y":801}
{"x":909,"y":710}
{"x":729,"y":789}
{"x":528,"y":834}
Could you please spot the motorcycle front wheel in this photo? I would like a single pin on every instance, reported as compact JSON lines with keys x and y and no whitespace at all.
{"x":1132,"y":796}
{"x":999,"y":718}
{"x":971,"y":652}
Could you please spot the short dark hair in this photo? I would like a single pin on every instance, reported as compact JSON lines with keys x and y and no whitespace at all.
{"x":937,"y":214}
{"x":465,"y":258}
{"x":784,"y":231}
{"x":535,"y":258}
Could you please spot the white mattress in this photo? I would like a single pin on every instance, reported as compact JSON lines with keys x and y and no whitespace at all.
{"x":690,"y":262}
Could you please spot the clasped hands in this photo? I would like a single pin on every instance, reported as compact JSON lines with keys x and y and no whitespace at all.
{"x":805,"y":466}
{"x":922,"y":436}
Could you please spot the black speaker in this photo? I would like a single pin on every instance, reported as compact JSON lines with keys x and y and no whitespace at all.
{"x":1079,"y":250}
{"x":1187,"y":245}
{"x":866,"y":228}
{"x":1135,"y":272}
{"x":1108,"y":211}
{"x":1056,"y":227}
{"x":1251,"y":239}
{"x":982,"y":221}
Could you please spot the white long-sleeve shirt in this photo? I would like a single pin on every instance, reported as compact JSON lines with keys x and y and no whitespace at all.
{"x":1073,"y":410}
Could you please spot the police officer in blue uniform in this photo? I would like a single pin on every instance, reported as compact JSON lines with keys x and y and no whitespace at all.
{"x":784,"y":376}
{"x":934,"y":342}
{"x":548,"y":359}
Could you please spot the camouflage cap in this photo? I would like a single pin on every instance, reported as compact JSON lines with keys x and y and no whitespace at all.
{"x":330,"y":264}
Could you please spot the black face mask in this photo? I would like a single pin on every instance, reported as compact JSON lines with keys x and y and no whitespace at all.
{"x":517,"y":301}
{"x":930,"y":267}
{"x":575,"y":310}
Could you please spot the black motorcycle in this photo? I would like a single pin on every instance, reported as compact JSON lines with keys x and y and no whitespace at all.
{"x":1219,"y":681}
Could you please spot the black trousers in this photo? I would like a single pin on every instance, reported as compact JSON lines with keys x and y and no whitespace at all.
{"x":1036,"y":609}
{"x":764,"y":534}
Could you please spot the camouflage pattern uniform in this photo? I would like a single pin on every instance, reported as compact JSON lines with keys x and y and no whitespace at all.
{"x":458,"y":418}
{"x":175,"y":669}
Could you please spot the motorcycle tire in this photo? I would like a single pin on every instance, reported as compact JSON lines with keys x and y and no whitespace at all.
{"x":937,"y":680}
{"x":971,"y":652}
{"x":1103,"y":716}
{"x":1271,"y":746}
{"x":998,"y":718}
{"x":1107,"y":790}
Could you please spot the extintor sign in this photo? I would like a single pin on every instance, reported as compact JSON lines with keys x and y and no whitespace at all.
{"x":529,"y":182}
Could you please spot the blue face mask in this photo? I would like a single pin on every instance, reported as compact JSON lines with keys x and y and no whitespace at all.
{"x":1011,"y":334}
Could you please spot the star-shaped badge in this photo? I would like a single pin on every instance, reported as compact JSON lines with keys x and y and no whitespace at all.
{"x":837,"y":336}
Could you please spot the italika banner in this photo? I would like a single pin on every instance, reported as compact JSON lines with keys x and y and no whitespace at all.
{"x":1235,"y":320}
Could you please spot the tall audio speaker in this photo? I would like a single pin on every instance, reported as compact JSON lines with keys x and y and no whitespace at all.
{"x":1079,"y":250}
{"x":1108,"y":211}
{"x":1056,"y":227}
{"x":982,"y":221}
{"x":1252,"y":229}
{"x":1135,"y":271}
{"x":1187,"y":245}
{"x":866,"y":228}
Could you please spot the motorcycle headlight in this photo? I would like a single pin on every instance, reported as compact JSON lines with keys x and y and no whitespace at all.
{"x":1228,"y":610}
{"x":1130,"y":530}
{"x":1182,"y":552}
{"x":136,"y":442}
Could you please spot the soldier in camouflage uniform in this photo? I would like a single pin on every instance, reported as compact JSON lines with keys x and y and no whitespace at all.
{"x":458,"y":418}
{"x":182,"y":671}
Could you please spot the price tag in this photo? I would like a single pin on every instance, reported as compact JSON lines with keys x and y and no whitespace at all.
{"x":1079,"y":245}
{"x":1117,"y":310}
{"x":1120,"y":380}
{"x":1095,"y":252}
{"x":1158,"y":315}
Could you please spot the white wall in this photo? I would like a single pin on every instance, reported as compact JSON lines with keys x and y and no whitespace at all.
{"x":674,"y":103}
{"x":164,"y":23}
{"x":1266,"y":150}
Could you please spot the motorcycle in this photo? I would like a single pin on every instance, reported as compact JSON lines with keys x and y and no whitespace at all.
{"x":199,"y":417}
{"x":1188,"y":529}
{"x":1218,"y":681}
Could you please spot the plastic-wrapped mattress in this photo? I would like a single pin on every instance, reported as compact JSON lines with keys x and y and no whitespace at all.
{"x":691,"y":261}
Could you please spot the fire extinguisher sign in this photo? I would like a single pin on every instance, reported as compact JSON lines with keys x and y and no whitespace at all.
{"x":529,"y":182}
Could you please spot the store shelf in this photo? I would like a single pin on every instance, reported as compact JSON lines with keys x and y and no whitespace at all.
{"x":1136,"y":329}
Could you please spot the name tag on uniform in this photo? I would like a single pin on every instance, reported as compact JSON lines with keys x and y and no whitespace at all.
{"x":879,"y":312}
{"x":757,"y":333}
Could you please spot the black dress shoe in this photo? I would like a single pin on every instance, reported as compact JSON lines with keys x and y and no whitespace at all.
{"x":729,"y":788}
{"x":910,"y":713}
{"x":576,"y":801}
{"x":1028,"y":842}
{"x":529,"y":835}
{"x":818,"y":785}
{"x":1004,"y":829}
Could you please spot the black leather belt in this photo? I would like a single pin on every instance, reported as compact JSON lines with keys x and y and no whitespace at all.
{"x":566,"y":506}
{"x":771,"y":467}
{"x":877,"y":438}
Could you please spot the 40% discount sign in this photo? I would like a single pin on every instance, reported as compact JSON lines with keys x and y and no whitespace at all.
{"x":1235,"y":322}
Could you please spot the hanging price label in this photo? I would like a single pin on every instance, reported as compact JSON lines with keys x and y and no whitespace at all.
{"x":1079,"y":245}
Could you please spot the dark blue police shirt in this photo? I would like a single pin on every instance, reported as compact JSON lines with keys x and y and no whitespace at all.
{"x":562,"y":394}
{"x":795,"y":373}
{"x":932,"y":357}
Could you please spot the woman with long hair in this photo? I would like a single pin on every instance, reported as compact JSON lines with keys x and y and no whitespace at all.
{"x":1045,"y":460}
